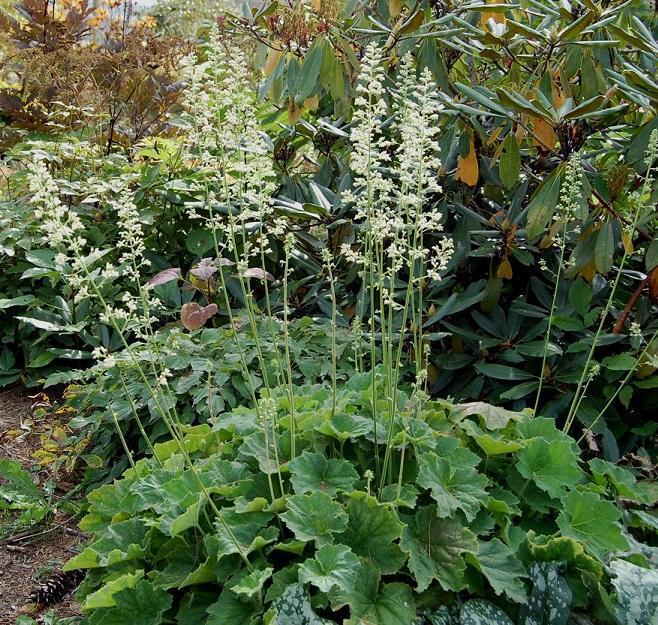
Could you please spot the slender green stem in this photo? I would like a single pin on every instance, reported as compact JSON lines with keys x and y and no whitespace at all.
{"x":563,"y":247}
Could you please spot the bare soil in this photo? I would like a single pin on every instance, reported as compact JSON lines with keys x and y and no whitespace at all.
{"x":27,"y":558}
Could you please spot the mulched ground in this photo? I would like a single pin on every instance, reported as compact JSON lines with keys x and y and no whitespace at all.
{"x":27,"y":558}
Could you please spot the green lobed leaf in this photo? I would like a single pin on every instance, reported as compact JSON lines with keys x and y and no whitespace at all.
{"x":454,"y":482}
{"x":370,"y":604}
{"x":503,"y":570}
{"x":592,"y":520}
{"x":314,"y":517}
{"x":142,"y":605}
{"x":552,"y":466}
{"x":371,"y":532}
{"x":333,"y":566}
{"x":435,"y":547}
{"x":312,"y":472}
{"x":230,"y":609}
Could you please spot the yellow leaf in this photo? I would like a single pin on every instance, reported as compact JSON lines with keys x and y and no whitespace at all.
{"x":557,"y":93}
{"x":294,"y":111}
{"x":505,"y":270}
{"x":627,"y":240}
{"x":589,"y":270}
{"x":544,"y":135}
{"x":395,"y":7}
{"x":548,"y":239}
{"x":494,"y":135}
{"x":467,"y":168}
{"x":272,"y":60}
{"x":312,"y":103}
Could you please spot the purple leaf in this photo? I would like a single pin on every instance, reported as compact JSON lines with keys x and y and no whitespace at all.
{"x":257,"y":272}
{"x":173,"y":273}
{"x":194,"y":316}
{"x":205,"y":269}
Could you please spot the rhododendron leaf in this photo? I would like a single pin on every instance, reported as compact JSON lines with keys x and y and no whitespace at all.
{"x":392,"y":604}
{"x":142,"y":605}
{"x":594,"y":521}
{"x":333,"y":566}
{"x":497,"y":562}
{"x":312,"y":472}
{"x":552,"y":466}
{"x":293,"y":607}
{"x":314,"y":517}
{"x":454,"y":482}
{"x":371,"y":531}
{"x":435,"y":547}
{"x":168,"y":275}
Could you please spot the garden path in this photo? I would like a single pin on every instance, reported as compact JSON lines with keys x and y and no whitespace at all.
{"x":28,"y":558}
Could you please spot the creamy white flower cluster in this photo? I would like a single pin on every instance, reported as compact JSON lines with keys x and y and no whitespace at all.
{"x":63,"y":231}
{"x":571,"y":192}
{"x":226,"y":138}
{"x":393,"y":178}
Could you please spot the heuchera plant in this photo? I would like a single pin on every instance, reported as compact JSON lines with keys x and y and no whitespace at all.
{"x":486,"y":502}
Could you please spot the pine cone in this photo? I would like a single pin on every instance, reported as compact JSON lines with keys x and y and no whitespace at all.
{"x":56,"y":587}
